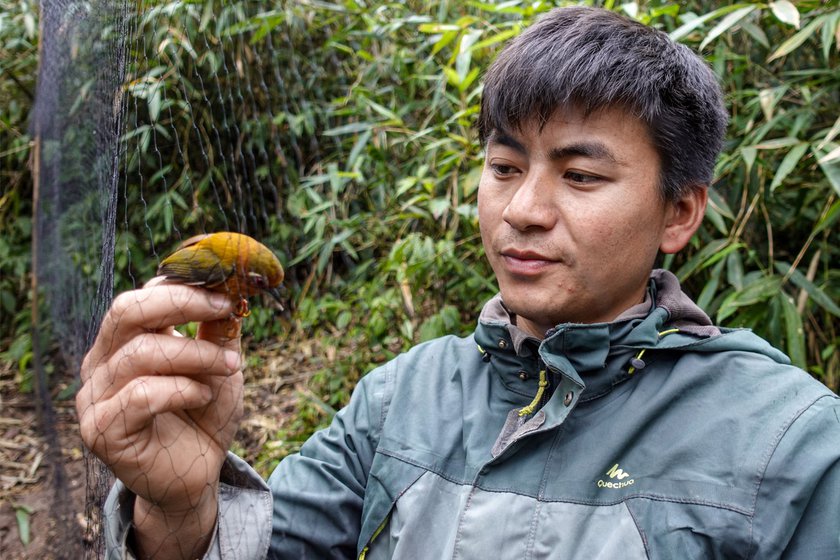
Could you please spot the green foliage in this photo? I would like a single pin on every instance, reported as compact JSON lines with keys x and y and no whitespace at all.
{"x":18,"y":64}
{"x":767,"y":256}
{"x":342,"y":134}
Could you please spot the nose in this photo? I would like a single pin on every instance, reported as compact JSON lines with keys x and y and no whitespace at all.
{"x":532,"y":205}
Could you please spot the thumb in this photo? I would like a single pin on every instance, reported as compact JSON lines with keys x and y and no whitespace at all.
{"x":225,"y":332}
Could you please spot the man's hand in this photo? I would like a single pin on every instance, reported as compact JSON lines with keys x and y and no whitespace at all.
{"x":161,"y":409}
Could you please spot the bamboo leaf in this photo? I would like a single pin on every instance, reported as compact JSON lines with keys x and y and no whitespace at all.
{"x":700,"y":259}
{"x":768,"y":98}
{"x":794,"y":332}
{"x":814,"y":292}
{"x":757,"y":292}
{"x":794,"y":42}
{"x":693,"y":24}
{"x":324,"y":256}
{"x":748,"y":155}
{"x":358,"y":147}
{"x":785,"y":12}
{"x":829,"y":30}
{"x":154,"y":103}
{"x":830,"y":156}
{"x":717,"y":220}
{"x":631,"y":9}
{"x":828,"y":220}
{"x":725,"y":24}
{"x":830,"y":135}
{"x":667,"y":10}
{"x":452,"y":76}
{"x":384,"y":111}
{"x":445,"y":39}
{"x":350,"y":128}
{"x":710,"y":289}
{"x":756,"y":33}
{"x":720,"y":204}
{"x":437,"y":28}
{"x":438,"y":206}
{"x":776,"y":143}
{"x":497,"y":38}
{"x":464,"y":58}
{"x":468,"y":79}
{"x":788,"y":164}
{"x":830,"y":168}
{"x":735,"y":270}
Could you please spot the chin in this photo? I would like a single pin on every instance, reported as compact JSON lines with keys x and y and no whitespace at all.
{"x":530,"y":309}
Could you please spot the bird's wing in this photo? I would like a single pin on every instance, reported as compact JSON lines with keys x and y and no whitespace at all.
{"x":195,"y":266}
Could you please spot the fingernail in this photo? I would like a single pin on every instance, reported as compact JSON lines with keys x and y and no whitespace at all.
{"x":232,"y":360}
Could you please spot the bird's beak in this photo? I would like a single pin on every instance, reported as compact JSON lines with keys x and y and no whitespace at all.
{"x":277,"y":293}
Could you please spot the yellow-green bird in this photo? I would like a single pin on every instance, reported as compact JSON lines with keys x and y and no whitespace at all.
{"x":226,"y":262}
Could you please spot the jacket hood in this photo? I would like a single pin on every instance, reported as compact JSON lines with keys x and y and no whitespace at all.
{"x":666,"y":320}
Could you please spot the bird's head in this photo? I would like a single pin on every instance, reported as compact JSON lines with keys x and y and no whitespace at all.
{"x":266,"y":273}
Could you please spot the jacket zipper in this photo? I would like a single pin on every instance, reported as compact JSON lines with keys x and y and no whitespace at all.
{"x":373,"y":537}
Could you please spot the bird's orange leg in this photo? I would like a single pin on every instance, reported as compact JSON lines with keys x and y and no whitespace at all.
{"x":233,"y":327}
{"x":242,"y":309}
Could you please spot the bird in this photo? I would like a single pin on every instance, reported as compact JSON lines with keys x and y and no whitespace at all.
{"x":226,"y":262}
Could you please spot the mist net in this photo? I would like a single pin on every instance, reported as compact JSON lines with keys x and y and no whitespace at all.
{"x":155,"y":122}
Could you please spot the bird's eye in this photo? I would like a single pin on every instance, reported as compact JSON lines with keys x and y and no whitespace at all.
{"x":258,"y":280}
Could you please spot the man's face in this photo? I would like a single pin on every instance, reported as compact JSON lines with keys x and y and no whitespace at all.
{"x":571,"y":217}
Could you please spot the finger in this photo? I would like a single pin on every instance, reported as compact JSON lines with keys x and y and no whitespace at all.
{"x":156,"y":281}
{"x":221,"y":419}
{"x":133,"y":408}
{"x":156,"y":354}
{"x":146,"y":397}
{"x":155,"y":308}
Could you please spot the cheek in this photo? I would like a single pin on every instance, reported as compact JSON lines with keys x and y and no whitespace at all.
{"x":490,"y":210}
{"x":597,"y":229}
{"x":607,"y":240}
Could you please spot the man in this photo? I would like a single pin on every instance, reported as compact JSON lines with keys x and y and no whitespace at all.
{"x":596,"y":412}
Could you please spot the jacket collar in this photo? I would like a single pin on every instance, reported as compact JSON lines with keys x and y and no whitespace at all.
{"x":595,"y":356}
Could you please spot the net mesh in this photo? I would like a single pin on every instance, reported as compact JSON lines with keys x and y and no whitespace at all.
{"x":156,"y":121}
{"x":76,"y":124}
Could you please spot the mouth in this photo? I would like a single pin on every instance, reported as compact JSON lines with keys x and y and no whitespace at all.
{"x":526,"y":263}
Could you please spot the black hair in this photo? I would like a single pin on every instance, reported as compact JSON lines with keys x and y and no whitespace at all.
{"x":590,"y":59}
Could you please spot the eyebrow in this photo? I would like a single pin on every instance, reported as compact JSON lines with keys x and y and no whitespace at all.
{"x":505,"y":139}
{"x":592,"y":149}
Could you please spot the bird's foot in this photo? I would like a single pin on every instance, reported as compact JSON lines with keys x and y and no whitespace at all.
{"x":242,"y":309}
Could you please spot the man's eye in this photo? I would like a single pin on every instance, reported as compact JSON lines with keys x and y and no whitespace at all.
{"x":581,"y":178}
{"x":502,"y":169}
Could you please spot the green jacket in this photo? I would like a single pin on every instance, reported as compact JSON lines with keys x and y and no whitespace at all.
{"x":655,"y":436}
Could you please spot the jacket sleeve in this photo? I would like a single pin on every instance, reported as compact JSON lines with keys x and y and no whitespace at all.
{"x":797,"y":511}
{"x":243,"y":526}
{"x":319,"y":493}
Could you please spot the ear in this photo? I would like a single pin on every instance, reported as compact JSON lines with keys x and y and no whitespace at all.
{"x":683,"y":218}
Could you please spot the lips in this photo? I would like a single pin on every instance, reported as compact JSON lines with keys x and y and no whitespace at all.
{"x":526,"y":263}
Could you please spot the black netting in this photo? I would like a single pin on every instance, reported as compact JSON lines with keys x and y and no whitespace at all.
{"x":154,"y":122}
